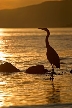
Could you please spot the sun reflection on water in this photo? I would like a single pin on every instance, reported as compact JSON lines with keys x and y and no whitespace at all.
{"x":4,"y":97}
{"x":1,"y":32}
{"x":2,"y":94}
{"x":2,"y":46}
{"x":2,"y":56}
{"x":1,"y":100}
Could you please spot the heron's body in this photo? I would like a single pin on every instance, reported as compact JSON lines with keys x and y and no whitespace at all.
{"x":53,"y":57}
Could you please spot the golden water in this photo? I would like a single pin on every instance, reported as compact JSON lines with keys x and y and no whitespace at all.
{"x":24,"y":48}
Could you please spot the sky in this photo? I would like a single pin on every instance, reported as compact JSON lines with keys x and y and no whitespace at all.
{"x":8,"y":4}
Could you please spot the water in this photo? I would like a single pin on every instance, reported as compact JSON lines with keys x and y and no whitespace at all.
{"x":26,"y":47}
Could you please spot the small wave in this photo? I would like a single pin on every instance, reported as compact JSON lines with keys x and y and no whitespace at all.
{"x":63,"y":58}
{"x":62,"y":63}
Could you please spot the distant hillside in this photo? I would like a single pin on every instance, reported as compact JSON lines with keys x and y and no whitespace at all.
{"x":46,"y":14}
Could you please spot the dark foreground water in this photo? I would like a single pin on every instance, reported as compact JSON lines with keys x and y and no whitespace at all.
{"x":24,"y":48}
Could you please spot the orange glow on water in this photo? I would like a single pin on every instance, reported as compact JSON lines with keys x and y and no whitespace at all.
{"x":2,"y":94}
{"x":1,"y":32}
{"x":24,"y":48}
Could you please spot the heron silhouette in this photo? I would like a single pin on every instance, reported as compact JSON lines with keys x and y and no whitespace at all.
{"x":51,"y":54}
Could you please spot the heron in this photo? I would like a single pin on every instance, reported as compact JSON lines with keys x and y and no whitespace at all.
{"x":51,"y":54}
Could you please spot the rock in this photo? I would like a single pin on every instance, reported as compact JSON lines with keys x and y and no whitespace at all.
{"x":71,"y":71}
{"x":38,"y":69}
{"x":8,"y":67}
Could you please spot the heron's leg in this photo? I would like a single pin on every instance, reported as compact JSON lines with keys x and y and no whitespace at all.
{"x":52,"y":68}
{"x":52,"y":72}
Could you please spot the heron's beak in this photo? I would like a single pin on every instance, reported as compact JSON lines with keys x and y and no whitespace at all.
{"x":45,"y":29}
{"x":40,"y":28}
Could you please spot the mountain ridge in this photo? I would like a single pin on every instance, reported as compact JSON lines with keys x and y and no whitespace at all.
{"x":46,"y":14}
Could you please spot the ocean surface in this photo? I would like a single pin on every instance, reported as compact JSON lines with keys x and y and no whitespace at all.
{"x":24,"y":48}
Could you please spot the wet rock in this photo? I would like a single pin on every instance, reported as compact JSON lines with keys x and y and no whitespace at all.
{"x":8,"y":67}
{"x":38,"y":69}
{"x":71,"y":71}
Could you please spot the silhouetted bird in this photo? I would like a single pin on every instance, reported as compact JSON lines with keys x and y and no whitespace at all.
{"x":52,"y":56}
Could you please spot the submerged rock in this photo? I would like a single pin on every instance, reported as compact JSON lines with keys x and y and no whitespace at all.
{"x":38,"y":69}
{"x":8,"y":67}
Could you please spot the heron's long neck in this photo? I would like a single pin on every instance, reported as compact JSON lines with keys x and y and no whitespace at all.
{"x":47,"y":42}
